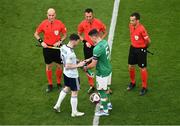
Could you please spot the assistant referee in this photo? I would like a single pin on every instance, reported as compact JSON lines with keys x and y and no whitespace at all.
{"x":138,"y":52}
{"x":52,"y":30}
{"x":89,"y":23}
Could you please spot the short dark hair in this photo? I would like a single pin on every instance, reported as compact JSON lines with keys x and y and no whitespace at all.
{"x":136,"y":14}
{"x":88,"y":10}
{"x":93,"y":32}
{"x":74,"y":37}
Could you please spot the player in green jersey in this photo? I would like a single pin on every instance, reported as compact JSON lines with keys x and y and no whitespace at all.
{"x":102,"y":63}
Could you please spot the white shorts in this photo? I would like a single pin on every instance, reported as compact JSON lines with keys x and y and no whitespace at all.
{"x":102,"y":82}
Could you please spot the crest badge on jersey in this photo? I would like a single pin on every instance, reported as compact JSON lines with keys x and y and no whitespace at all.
{"x":136,"y":37}
{"x":56,"y":32}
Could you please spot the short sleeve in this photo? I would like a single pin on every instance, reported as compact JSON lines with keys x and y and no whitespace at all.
{"x":80,"y":28}
{"x":102,"y":27}
{"x":39,"y":28}
{"x":97,"y":52}
{"x":144,"y":33}
{"x":63,"y":29}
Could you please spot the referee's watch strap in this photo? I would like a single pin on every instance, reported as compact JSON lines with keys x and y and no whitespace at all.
{"x":84,"y":41}
{"x":40,"y":40}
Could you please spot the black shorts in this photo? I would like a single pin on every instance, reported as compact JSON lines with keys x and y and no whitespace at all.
{"x":72,"y":83}
{"x":88,"y":52}
{"x":137,"y":56}
{"x":52,"y":55}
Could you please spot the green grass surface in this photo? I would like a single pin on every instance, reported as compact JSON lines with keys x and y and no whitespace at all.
{"x":22,"y":71}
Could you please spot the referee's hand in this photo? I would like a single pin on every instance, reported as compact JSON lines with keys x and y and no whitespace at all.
{"x":57,"y":44}
{"x":88,"y":45}
{"x":44,"y":45}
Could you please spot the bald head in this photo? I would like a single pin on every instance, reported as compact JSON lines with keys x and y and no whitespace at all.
{"x":51,"y":14}
{"x":51,"y":10}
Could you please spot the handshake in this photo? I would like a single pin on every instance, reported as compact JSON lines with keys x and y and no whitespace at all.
{"x":83,"y":65}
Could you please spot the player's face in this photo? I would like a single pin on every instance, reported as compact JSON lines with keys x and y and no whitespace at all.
{"x":51,"y":16}
{"x":133,"y":20}
{"x":76,"y":42}
{"x":89,"y":17}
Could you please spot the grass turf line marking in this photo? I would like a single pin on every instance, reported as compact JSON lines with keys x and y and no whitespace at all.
{"x":110,"y":42}
{"x":96,"y":118}
{"x":113,"y":23}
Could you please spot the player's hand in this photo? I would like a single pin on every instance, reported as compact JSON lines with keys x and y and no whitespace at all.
{"x":44,"y":45}
{"x":88,"y":45}
{"x":81,"y":64}
{"x":88,"y":60}
{"x":57,"y":44}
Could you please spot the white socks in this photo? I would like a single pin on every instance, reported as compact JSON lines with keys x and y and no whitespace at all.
{"x":74,"y":103}
{"x":62,"y":95}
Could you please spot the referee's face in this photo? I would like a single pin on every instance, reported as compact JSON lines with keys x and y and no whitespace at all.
{"x":89,"y":16}
{"x":51,"y":16}
{"x":133,"y":20}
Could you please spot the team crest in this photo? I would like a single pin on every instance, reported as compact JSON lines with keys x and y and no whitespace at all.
{"x":136,"y":37}
{"x":56,"y":32}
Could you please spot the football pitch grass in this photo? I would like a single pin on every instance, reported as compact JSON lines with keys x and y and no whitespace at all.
{"x":23,"y":100}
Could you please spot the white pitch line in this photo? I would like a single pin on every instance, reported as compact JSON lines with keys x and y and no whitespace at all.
{"x":113,"y":23}
{"x":96,"y":118}
{"x":110,"y":42}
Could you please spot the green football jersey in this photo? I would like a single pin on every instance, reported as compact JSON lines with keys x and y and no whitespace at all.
{"x":102,"y":52}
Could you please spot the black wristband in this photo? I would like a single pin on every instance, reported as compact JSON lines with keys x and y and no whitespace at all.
{"x":84,"y":41}
{"x":40,"y":40}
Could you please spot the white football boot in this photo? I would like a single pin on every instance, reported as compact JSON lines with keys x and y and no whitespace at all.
{"x":75,"y":114}
{"x":101,"y":113}
{"x":57,"y":109}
